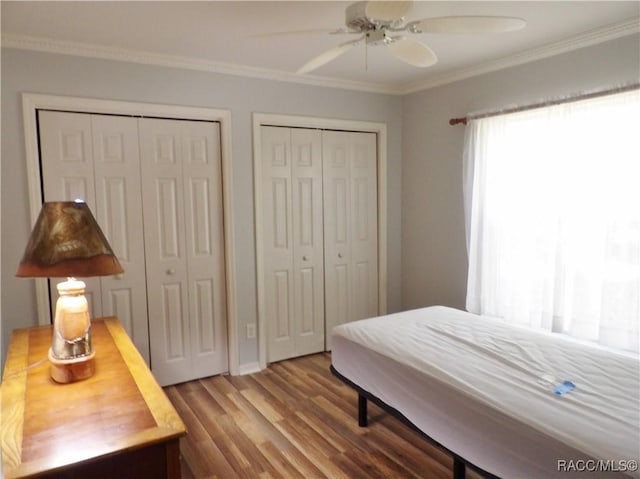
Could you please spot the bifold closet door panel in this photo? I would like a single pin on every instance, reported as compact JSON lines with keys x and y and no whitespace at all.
{"x":66,"y":158}
{"x":350,"y":227}
{"x":292,"y":241}
{"x":278,"y":242}
{"x":96,"y":158}
{"x":337,"y":231}
{"x":180,"y":162}
{"x":308,"y":249}
{"x":116,"y":159}
{"x":203,"y":211}
{"x":364,"y":224}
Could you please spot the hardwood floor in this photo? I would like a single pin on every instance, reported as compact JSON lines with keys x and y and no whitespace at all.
{"x":295,"y":420}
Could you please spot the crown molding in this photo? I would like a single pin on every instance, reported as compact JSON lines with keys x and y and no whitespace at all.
{"x":593,"y":37}
{"x":49,"y":45}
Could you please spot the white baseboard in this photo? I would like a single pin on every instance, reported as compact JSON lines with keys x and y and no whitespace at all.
{"x":249,"y":368}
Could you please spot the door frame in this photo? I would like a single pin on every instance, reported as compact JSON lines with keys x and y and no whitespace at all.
{"x":32,"y":102}
{"x":294,"y":121}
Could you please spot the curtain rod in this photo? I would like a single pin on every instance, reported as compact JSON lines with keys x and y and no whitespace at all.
{"x":585,"y":96}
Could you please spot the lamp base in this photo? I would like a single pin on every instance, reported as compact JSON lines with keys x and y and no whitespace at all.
{"x":70,"y":370}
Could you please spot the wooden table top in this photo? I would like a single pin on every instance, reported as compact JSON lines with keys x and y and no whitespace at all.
{"x":47,"y":426}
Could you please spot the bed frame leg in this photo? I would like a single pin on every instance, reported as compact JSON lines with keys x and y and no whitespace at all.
{"x":362,"y":411}
{"x":459,"y":468}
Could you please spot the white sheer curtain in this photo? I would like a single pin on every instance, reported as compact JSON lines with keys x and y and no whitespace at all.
{"x":552,"y":199}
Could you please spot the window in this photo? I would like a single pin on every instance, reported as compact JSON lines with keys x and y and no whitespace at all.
{"x":552,"y":199}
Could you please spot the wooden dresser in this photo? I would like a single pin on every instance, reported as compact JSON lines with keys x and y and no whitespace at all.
{"x":116,"y":424}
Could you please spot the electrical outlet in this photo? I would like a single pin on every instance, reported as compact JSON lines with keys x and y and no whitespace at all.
{"x":251,"y":330}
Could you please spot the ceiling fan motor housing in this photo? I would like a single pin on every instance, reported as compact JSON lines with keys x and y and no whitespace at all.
{"x":376,"y":37}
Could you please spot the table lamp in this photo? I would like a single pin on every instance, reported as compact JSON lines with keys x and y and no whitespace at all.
{"x":66,"y":241}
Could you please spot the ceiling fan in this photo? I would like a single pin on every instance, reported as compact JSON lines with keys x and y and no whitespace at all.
{"x":383,"y":23}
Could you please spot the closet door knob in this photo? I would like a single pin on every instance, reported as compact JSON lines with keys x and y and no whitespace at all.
{"x":304,"y":258}
{"x":339,"y":255}
{"x":171,"y":271}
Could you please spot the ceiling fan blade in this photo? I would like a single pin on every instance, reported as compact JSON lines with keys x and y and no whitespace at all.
{"x":412,"y":52}
{"x":467,"y":24}
{"x":387,"y":11}
{"x":314,"y":31}
{"x":327,"y":56}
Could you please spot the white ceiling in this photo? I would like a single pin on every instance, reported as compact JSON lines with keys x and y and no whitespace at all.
{"x":217,"y":36}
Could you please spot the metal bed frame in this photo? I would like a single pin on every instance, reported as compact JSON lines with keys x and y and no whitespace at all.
{"x":459,"y":463}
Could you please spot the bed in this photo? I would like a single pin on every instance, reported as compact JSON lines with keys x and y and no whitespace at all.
{"x":498,"y":397}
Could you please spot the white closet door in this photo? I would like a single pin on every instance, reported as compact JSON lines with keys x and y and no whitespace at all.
{"x":183,"y":231}
{"x":292,"y":241}
{"x":308,"y":259}
{"x":278,"y":242}
{"x":337,"y":231}
{"x":96,"y":158}
{"x":119,"y":213}
{"x":364,"y":224}
{"x":202,"y":173}
{"x":350,"y":227}
{"x":66,"y":156}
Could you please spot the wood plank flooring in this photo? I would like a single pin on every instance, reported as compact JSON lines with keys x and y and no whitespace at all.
{"x":295,"y":420}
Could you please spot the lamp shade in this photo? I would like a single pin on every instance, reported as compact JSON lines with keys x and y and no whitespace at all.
{"x":66,"y":241}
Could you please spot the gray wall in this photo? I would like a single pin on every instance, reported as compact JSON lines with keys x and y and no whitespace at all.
{"x":34,"y":72}
{"x":426,"y":221}
{"x":434,"y":258}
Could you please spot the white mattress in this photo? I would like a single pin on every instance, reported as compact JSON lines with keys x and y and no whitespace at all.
{"x":481,"y":388}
